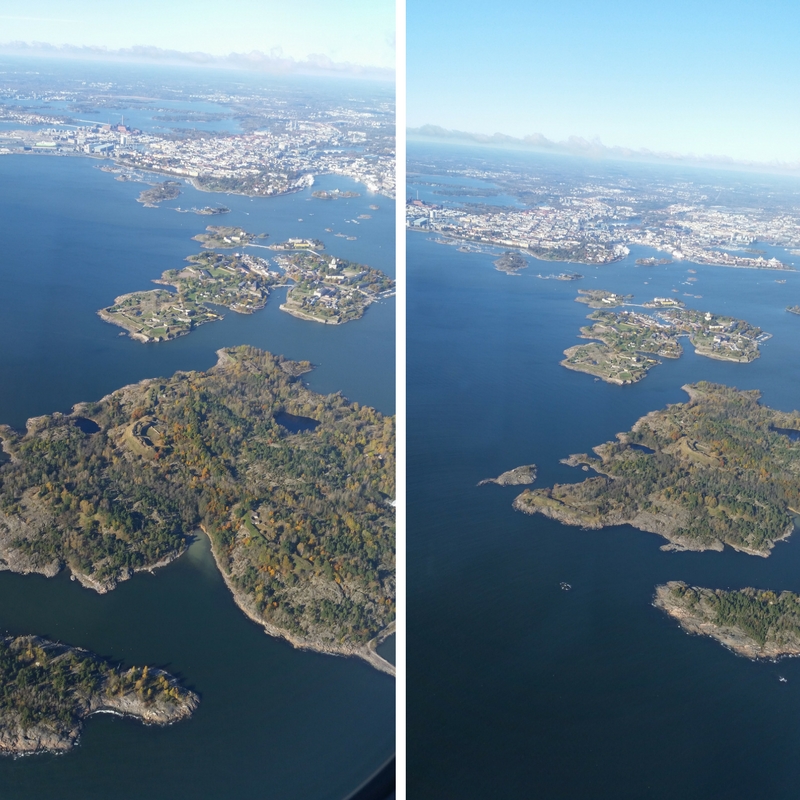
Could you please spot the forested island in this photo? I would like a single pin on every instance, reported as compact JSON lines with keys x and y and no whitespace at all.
{"x":47,"y":689}
{"x":293,"y":488}
{"x":241,"y":283}
{"x":751,"y":622}
{"x":719,"y":469}
{"x":626,"y":340}
{"x":329,"y":289}
{"x":167,"y":190}
{"x":510,"y":262}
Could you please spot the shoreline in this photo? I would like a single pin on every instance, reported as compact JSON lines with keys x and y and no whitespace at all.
{"x":366,"y":652}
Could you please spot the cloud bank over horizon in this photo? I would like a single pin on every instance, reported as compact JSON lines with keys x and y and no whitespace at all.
{"x":594,"y":148}
{"x":274,"y":62}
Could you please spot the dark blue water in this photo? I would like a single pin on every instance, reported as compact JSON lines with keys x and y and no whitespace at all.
{"x":295,"y":424}
{"x":517,"y":689}
{"x":274,"y":722}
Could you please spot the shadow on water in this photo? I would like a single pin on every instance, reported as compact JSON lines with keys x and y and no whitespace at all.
{"x":294,"y":423}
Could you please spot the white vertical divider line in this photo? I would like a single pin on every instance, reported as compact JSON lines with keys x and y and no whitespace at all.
{"x":400,"y":377}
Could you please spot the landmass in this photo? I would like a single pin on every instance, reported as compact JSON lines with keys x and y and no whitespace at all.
{"x":751,"y":622}
{"x":561,"y":276}
{"x":223,"y":237}
{"x":627,"y":339}
{"x":48,"y":689}
{"x":600,"y":298}
{"x":652,"y":262}
{"x":510,"y":262}
{"x":329,"y":289}
{"x":514,"y":477}
{"x":293,"y":489}
{"x":205,"y":211}
{"x":168,"y":190}
{"x":300,"y":244}
{"x":334,"y":194}
{"x":241,"y":283}
{"x":719,"y":469}
{"x":793,"y":309}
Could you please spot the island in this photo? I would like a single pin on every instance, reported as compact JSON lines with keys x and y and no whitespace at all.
{"x":294,"y":490}
{"x":627,"y":339}
{"x":510,"y":263}
{"x":241,"y":283}
{"x":334,"y":194}
{"x":514,"y":477}
{"x":720,"y":469}
{"x":167,"y":190}
{"x":561,"y":276}
{"x":225,"y":237}
{"x":205,"y":211}
{"x":48,"y":689}
{"x":652,"y":262}
{"x":600,"y":298}
{"x":751,"y":622}
{"x":793,"y":309}
{"x":329,"y":289}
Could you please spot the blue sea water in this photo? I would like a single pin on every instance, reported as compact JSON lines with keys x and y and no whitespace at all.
{"x":516,"y":688}
{"x":274,"y":722}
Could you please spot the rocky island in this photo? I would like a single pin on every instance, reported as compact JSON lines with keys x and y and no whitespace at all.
{"x":600,"y":298}
{"x":293,"y":489}
{"x":334,"y":194}
{"x":751,"y":622}
{"x":626,"y":340}
{"x":518,"y":476}
{"x":48,"y":689}
{"x":793,"y":309}
{"x":719,"y":469}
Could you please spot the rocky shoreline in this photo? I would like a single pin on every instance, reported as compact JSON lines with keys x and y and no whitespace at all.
{"x":49,"y":717}
{"x":693,"y":609}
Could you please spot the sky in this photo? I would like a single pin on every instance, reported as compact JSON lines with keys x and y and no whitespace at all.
{"x":702,"y":77}
{"x":357,"y":32}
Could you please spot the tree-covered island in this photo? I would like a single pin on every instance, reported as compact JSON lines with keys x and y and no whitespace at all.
{"x":158,"y":192}
{"x":626,"y":340}
{"x":329,"y":289}
{"x":751,"y":622}
{"x":239,"y":282}
{"x":293,"y":488}
{"x":47,"y":689}
{"x":719,"y":469}
{"x":511,"y":262}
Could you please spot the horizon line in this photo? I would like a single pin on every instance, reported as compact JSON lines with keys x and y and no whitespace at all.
{"x":595,"y":149}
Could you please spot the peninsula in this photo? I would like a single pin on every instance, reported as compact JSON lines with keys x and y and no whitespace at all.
{"x":293,"y":488}
{"x":719,"y":469}
{"x":751,"y":622}
{"x":627,"y":339}
{"x":48,"y":689}
{"x":514,"y":477}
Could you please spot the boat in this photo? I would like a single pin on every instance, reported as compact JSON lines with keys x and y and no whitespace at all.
{"x":565,"y":586}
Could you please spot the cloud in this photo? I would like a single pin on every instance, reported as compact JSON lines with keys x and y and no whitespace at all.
{"x":272,"y":62}
{"x":577,"y":145}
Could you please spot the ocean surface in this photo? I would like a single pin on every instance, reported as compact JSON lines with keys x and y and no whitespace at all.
{"x":274,"y":722}
{"x":517,"y":689}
